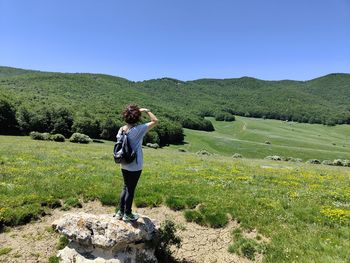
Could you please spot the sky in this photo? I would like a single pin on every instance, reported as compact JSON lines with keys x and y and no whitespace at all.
{"x":182,"y":39}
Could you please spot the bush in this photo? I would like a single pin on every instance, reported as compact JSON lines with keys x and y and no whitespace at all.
{"x":346,"y":163}
{"x":327,"y":162}
{"x":164,"y":239}
{"x":203,"y":152}
{"x":274,"y":158}
{"x":57,"y":137}
{"x":338,"y":162}
{"x":79,"y":138}
{"x":313,"y":161}
{"x":37,"y":135}
{"x":292,"y":159}
{"x":153,"y":145}
{"x":237,"y":155}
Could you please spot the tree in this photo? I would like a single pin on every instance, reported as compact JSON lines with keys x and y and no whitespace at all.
{"x":8,"y":121}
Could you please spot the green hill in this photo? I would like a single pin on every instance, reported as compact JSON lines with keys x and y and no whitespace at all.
{"x":258,"y":138}
{"x":101,"y":97}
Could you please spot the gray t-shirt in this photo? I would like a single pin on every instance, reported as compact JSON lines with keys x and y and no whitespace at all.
{"x":135,"y":137}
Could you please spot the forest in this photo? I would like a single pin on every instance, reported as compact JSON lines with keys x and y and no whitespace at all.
{"x":91,"y":103}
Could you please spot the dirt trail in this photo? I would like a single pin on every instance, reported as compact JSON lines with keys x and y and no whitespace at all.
{"x":34,"y":242}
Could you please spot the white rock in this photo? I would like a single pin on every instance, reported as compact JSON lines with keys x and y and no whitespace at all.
{"x":103,"y":238}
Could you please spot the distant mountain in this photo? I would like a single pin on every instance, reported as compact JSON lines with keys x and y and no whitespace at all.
{"x":322,"y":100}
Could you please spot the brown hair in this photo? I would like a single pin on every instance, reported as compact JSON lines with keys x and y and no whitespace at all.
{"x":131,"y":114}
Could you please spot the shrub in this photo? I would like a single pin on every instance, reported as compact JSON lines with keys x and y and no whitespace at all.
{"x":267,"y":142}
{"x":37,"y":135}
{"x":338,"y":162}
{"x":153,"y":145}
{"x":79,"y":138}
{"x":292,"y":159}
{"x":237,"y":155}
{"x":346,"y":163}
{"x":327,"y":162}
{"x":165,"y":238}
{"x":203,"y":152}
{"x":313,"y":161}
{"x":57,"y":137}
{"x":274,"y":158}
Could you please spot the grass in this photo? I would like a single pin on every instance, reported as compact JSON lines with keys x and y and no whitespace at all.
{"x":247,"y":136}
{"x":302,"y":208}
{"x":5,"y":250}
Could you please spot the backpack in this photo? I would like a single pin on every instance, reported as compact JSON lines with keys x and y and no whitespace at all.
{"x":122,"y":151}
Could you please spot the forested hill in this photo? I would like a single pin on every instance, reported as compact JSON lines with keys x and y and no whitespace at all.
{"x":322,"y":100}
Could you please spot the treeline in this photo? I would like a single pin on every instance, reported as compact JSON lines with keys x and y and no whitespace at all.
{"x":60,"y":120}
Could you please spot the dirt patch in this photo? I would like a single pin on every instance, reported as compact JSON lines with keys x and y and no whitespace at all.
{"x":35,"y":242}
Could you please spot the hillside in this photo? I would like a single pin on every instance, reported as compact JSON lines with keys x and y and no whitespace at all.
{"x":101,"y":97}
{"x":258,"y":138}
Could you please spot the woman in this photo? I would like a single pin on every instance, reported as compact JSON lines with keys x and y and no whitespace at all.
{"x":132,"y":171}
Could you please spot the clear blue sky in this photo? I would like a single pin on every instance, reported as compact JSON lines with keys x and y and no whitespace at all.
{"x":183,"y":39}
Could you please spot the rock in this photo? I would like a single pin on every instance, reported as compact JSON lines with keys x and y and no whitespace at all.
{"x":103,"y":238}
{"x":274,"y":157}
{"x":313,"y":161}
{"x":203,"y":152}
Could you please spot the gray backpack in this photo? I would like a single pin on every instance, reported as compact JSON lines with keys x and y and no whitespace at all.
{"x":122,"y":151}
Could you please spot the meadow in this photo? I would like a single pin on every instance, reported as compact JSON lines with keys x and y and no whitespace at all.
{"x":303,"y":209}
{"x":248,"y":137}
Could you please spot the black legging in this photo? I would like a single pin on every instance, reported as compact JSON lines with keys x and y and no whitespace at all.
{"x":130,"y":181}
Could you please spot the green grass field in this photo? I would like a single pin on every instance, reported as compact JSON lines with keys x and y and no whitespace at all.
{"x":302,"y":208}
{"x":247,"y":136}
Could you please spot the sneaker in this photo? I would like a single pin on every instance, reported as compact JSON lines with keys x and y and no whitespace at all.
{"x":119,"y":215}
{"x":130,"y":217}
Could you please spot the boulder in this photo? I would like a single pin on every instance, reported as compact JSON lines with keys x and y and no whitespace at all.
{"x":103,"y":238}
